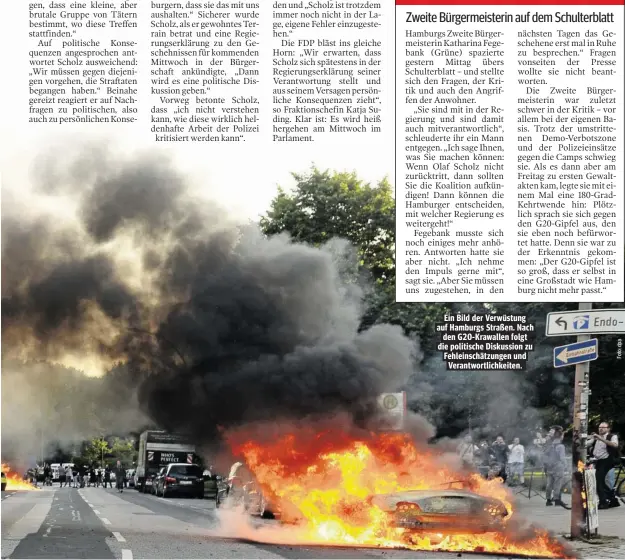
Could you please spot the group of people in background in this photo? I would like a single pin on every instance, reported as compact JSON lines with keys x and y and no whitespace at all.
{"x":96,"y":477}
{"x":71,"y":476}
{"x":507,"y":461}
{"x":495,"y":460}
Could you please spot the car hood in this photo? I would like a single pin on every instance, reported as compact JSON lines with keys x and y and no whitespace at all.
{"x":388,"y":502}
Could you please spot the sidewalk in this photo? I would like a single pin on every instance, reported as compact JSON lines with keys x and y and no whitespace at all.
{"x":558,"y":521}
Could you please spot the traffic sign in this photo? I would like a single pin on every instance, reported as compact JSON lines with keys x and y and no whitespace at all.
{"x":575,"y":353}
{"x":578,"y":322}
{"x":393,"y":408}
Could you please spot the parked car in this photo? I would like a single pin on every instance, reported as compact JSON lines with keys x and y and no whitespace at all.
{"x":148,"y":484}
{"x":152,"y":482}
{"x":180,"y":478}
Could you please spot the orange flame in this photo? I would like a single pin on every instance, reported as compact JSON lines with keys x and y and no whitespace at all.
{"x":324,"y":481}
{"x":15,"y":481}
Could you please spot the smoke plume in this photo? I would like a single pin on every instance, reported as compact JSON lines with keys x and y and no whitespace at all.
{"x":217,"y":325}
{"x":46,"y":407}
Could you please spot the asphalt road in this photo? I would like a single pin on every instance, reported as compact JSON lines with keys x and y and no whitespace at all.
{"x":96,"y":523}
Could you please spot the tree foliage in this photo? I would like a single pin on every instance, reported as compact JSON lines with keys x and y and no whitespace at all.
{"x":123,"y":450}
{"x":328,"y":204}
{"x":324,"y":205}
{"x":96,"y":451}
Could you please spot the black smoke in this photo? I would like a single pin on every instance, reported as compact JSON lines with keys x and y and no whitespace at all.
{"x":219,"y":325}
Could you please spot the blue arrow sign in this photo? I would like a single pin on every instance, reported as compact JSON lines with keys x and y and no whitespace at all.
{"x":576,"y":353}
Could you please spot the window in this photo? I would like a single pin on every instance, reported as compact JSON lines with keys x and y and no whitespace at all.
{"x":185,"y":470}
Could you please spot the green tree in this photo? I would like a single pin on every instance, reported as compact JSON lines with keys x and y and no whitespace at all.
{"x":123,"y":450}
{"x":325,"y":205}
{"x":329,"y":204}
{"x":96,"y":451}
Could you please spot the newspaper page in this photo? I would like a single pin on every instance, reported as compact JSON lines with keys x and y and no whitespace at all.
{"x":367,"y":259}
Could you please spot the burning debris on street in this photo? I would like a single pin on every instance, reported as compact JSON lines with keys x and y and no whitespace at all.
{"x":226,"y":333}
{"x":15,"y":481}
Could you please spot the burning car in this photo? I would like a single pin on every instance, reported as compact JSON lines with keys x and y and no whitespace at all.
{"x":14,"y":481}
{"x":383,"y":490}
{"x":242,"y":490}
{"x":449,"y":511}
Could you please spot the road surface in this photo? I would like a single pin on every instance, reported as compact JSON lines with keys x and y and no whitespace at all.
{"x":97,"y":523}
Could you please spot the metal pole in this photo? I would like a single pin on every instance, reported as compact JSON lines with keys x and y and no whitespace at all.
{"x":580,"y":433}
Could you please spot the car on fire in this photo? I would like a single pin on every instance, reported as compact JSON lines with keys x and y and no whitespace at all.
{"x":448,"y":511}
{"x":242,"y":489}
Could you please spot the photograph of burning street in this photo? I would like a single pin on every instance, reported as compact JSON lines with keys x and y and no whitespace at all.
{"x":178,"y":382}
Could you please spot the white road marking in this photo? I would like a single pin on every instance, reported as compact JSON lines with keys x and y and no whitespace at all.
{"x":126,"y":554}
{"x":118,"y":536}
{"x":105,"y":521}
{"x":90,"y":505}
{"x":96,"y":512}
{"x":75,"y":515}
{"x":29,"y":523}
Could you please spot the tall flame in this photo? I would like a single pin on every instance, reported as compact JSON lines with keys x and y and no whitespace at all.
{"x":324,"y":481}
